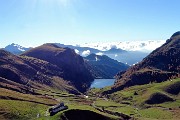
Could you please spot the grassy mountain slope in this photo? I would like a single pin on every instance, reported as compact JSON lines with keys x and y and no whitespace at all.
{"x":144,"y":102}
{"x":162,"y":64}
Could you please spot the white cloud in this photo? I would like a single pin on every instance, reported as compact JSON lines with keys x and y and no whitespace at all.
{"x":76,"y":51}
{"x":86,"y":53}
{"x":144,"y":46}
{"x":99,"y":53}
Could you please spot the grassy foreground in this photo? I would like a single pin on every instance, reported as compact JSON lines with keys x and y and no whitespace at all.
{"x":139,"y":102}
{"x":152,"y":101}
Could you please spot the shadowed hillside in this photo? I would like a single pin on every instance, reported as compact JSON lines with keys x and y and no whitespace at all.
{"x":28,"y":73}
{"x":83,"y":115}
{"x":72,"y":64}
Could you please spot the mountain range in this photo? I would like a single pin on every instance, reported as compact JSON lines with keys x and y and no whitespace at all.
{"x":125,"y":52}
{"x":164,"y":62}
{"x":35,"y":79}
{"x":46,"y":65}
{"x":103,"y":66}
{"x":113,"y":53}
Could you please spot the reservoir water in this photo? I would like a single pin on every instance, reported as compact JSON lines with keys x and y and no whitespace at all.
{"x":100,"y":83}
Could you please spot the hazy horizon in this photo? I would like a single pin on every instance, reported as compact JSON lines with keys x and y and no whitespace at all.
{"x":82,"y":44}
{"x":34,"y":22}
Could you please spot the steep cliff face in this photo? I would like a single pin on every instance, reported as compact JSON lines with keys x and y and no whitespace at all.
{"x":160,"y":65}
{"x":72,"y":64}
{"x":31,"y":72}
{"x":103,"y":66}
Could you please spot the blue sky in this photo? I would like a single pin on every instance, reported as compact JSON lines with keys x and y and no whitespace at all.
{"x":34,"y":22}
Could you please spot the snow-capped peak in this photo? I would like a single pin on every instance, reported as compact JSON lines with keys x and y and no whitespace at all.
{"x":20,"y":48}
{"x":15,"y":48}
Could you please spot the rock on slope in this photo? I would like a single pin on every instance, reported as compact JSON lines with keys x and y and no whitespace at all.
{"x":72,"y":64}
{"x":160,"y":65}
{"x":103,"y":66}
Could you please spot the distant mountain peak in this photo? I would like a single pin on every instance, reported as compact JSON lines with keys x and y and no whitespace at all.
{"x":17,"y":46}
{"x":16,"y":49}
